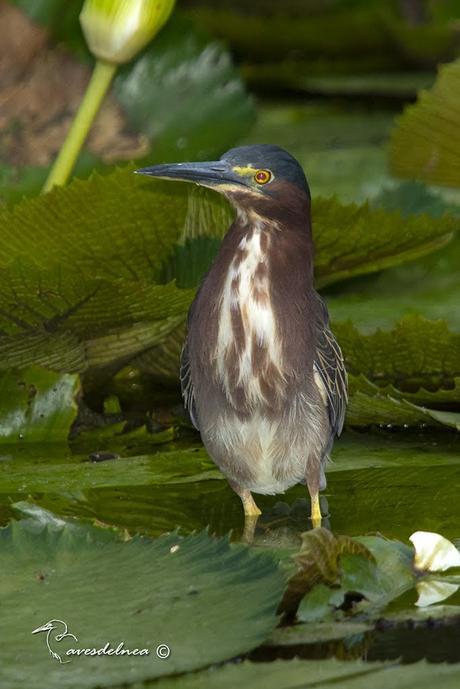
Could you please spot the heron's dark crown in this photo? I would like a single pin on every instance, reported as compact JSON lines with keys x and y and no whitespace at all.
{"x":281,"y":164}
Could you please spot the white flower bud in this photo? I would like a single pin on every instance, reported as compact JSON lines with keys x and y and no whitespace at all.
{"x":116,"y":30}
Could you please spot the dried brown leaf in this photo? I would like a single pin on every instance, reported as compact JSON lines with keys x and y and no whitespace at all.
{"x":318,"y":561}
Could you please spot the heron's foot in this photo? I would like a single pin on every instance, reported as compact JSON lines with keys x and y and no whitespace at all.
{"x":315,"y":511}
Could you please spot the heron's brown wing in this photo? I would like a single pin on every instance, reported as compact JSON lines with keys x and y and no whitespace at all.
{"x":330,"y":366}
{"x":187,"y":386}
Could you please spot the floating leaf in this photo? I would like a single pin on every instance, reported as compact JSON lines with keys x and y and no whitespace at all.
{"x":316,"y":605}
{"x":37,"y":473}
{"x":404,"y":337}
{"x":383,"y":486}
{"x":369,"y":404}
{"x":37,"y":406}
{"x":394,"y":562}
{"x":425,"y":143}
{"x":412,"y":198}
{"x":53,"y":568}
{"x":429,"y":287}
{"x":79,"y":289}
{"x":318,"y":562}
{"x":373,"y":570}
{"x":415,"y":353}
{"x":437,"y":397}
{"x":185,"y":61}
{"x":353,"y":240}
{"x":317,"y":632}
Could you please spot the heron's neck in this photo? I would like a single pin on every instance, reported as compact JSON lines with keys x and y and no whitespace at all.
{"x":267,"y":273}
{"x":280,"y":237}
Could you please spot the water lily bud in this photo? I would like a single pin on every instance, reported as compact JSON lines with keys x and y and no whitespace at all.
{"x":116,"y":30}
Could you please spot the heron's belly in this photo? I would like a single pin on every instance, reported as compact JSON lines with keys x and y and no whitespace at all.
{"x":263,"y":455}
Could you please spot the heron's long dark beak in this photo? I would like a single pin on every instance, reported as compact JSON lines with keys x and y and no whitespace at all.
{"x":209,"y":174}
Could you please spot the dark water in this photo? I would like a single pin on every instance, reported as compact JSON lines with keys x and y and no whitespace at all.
{"x":436,"y":641}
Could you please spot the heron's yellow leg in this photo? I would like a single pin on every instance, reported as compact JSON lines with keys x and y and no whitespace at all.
{"x":249,"y":506}
{"x":315,"y":511}
{"x":250,"y":523}
{"x":251,"y":512}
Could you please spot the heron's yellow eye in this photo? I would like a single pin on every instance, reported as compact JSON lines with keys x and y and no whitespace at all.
{"x":263,"y":176}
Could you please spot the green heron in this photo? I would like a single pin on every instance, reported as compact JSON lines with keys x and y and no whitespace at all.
{"x":262,"y":375}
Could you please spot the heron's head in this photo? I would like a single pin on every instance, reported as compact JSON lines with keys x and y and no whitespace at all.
{"x":247,"y":175}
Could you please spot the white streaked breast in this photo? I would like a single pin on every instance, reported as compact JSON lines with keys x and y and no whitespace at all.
{"x":252,"y":296}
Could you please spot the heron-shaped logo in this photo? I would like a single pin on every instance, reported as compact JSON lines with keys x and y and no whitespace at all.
{"x":62,"y":633}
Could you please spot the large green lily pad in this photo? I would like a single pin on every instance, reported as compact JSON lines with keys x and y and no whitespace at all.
{"x":368,"y":403}
{"x":207,"y":600}
{"x":374,"y":235}
{"x":184,"y":60}
{"x":79,"y":290}
{"x":429,"y":286}
{"x":425,"y":142}
{"x":36,"y":405}
{"x":43,"y":472}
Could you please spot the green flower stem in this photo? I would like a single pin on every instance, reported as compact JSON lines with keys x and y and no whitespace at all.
{"x":97,"y":88}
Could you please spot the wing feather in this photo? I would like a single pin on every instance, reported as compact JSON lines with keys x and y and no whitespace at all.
{"x":330,"y":366}
{"x":186,"y":384}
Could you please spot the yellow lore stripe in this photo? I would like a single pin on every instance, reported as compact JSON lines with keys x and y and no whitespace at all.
{"x":244,"y":171}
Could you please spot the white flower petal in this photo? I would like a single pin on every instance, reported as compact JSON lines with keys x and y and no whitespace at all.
{"x":433,"y":552}
{"x":430,"y":592}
